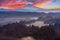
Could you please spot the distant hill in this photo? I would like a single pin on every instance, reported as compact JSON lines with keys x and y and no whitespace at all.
{"x":49,"y":16}
{"x":52,"y":21}
{"x":17,"y":13}
{"x":41,"y":16}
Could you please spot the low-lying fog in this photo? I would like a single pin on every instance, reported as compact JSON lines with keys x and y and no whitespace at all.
{"x":15,"y":19}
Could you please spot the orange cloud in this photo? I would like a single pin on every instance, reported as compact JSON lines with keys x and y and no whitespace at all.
{"x":12,"y":4}
{"x":42,"y":3}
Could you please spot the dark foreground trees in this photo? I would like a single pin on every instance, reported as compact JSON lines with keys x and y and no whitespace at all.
{"x":19,"y":30}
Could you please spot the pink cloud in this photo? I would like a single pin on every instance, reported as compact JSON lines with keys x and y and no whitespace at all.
{"x":14,"y":4}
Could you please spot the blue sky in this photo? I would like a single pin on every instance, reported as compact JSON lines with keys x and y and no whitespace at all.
{"x":54,"y":4}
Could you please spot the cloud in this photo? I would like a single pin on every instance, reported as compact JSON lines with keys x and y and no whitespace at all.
{"x":15,"y":4}
{"x":42,"y":3}
{"x":12,"y":4}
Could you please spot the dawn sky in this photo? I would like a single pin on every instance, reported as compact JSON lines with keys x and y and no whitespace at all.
{"x":15,"y":4}
{"x":55,"y":4}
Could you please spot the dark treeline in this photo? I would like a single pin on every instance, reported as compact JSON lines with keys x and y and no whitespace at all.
{"x":19,"y":30}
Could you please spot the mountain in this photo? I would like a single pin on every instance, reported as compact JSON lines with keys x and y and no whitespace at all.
{"x":27,"y":8}
{"x":52,"y":21}
{"x":30,"y":8}
{"x":49,"y":16}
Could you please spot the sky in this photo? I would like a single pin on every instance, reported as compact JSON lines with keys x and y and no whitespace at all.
{"x":18,"y":4}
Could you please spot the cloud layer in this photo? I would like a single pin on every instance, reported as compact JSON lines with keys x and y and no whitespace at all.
{"x":41,"y":3}
{"x":15,"y":4}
